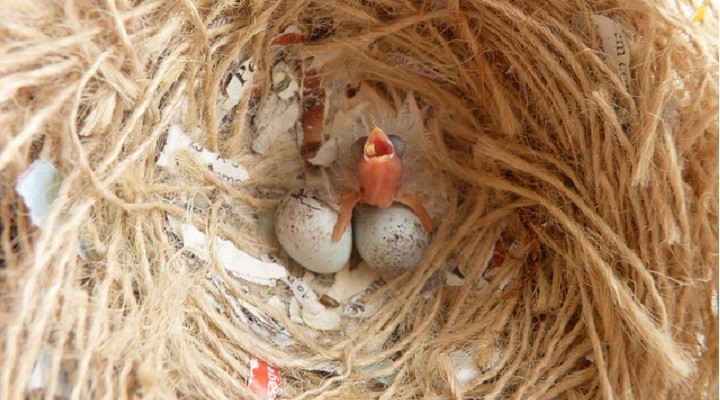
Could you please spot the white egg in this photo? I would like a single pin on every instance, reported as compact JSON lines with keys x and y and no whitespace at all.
{"x":389,"y":239}
{"x":304,"y":225}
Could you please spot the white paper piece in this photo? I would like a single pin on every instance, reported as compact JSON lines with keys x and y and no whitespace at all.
{"x":294,"y":310}
{"x":292,"y":29}
{"x":306,"y":303}
{"x":326,"y":154}
{"x":464,"y":367}
{"x":278,"y":304}
{"x":39,"y":186}
{"x":275,"y":118}
{"x":285,"y":85}
{"x":40,"y":377}
{"x":615,"y":51}
{"x":260,"y":323}
{"x":357,"y":306}
{"x":219,"y":22}
{"x":284,"y":339}
{"x":491,"y":273}
{"x":386,"y":380}
{"x":330,"y":367}
{"x":235,"y":90}
{"x":452,"y":277}
{"x":349,"y":283}
{"x":306,"y":297}
{"x":505,"y":281}
{"x":278,"y":114}
{"x":239,"y":83}
{"x":435,"y":281}
{"x":326,"y":320}
{"x":291,"y":35}
{"x":237,"y":262}
{"x":177,"y":141}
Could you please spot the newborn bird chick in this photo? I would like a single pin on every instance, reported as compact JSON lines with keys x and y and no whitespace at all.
{"x":379,"y":162}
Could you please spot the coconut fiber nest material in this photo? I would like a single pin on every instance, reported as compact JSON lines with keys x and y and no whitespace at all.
{"x":587,"y":181}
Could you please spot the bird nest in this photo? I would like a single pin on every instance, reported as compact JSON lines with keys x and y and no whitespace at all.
{"x":566,"y":150}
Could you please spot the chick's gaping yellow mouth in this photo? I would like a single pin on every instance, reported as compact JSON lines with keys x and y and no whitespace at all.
{"x":378,"y":146}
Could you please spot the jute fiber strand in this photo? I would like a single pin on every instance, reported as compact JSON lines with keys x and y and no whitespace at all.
{"x":609,"y":194}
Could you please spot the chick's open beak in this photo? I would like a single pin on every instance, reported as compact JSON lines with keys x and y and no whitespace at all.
{"x":378,"y":146}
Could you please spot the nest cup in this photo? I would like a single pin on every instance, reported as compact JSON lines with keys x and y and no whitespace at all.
{"x":582,"y":188}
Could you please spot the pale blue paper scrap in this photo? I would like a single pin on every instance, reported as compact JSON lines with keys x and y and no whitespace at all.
{"x":39,"y":186}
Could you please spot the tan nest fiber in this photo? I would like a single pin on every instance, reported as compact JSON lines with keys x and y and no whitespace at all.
{"x":605,"y":195}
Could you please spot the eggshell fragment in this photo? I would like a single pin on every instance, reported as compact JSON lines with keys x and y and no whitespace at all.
{"x":303,"y":225}
{"x":389,"y":239}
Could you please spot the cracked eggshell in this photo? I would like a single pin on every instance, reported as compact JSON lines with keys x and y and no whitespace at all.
{"x":391,"y":240}
{"x":304,"y":225}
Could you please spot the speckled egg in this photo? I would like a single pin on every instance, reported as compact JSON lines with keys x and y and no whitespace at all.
{"x":392,"y":239}
{"x":304,"y":225}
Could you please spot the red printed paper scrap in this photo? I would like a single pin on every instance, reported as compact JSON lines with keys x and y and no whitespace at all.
{"x":264,"y":379}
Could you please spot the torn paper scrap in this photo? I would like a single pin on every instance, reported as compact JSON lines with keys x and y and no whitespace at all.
{"x":40,"y":377}
{"x":39,"y":186}
{"x":242,"y":79}
{"x":178,"y":141}
{"x":291,"y":35}
{"x":278,"y":304}
{"x":305,"y":295}
{"x":325,"y":320}
{"x":615,"y":50}
{"x":454,"y":277}
{"x":451,"y":277}
{"x":386,"y":380}
{"x":237,"y":262}
{"x":307,"y":304}
{"x":264,"y":379}
{"x":349,"y":283}
{"x":326,"y":154}
{"x":285,"y":85}
{"x":235,"y":89}
{"x":434,"y":281}
{"x":275,"y":118}
{"x":329,"y":367}
{"x":261,"y":324}
{"x":357,"y":307}
{"x":463,"y":366}
{"x":278,"y":114}
{"x":294,"y":311}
